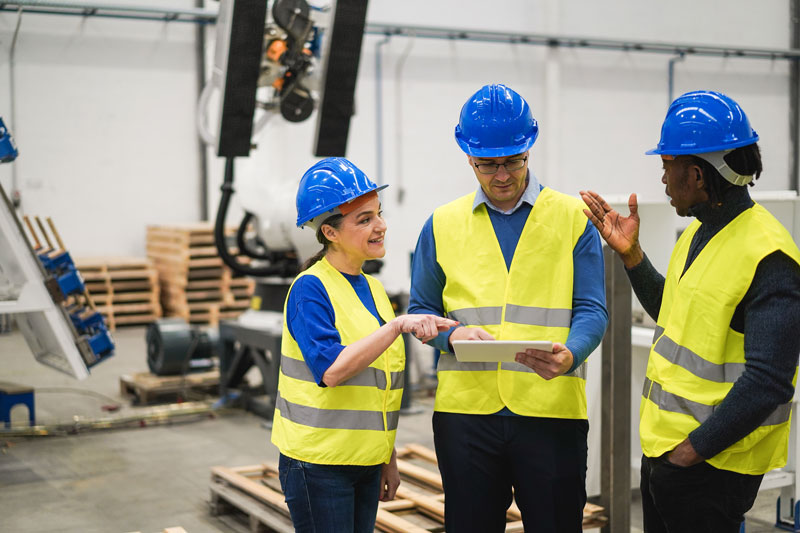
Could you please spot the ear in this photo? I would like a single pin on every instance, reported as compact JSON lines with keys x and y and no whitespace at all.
{"x":696,"y":178}
{"x":329,"y":232}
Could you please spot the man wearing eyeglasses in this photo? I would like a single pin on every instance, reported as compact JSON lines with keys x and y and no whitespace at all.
{"x":513,"y":260}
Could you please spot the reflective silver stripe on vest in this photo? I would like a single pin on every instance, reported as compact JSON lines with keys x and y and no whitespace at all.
{"x":448,"y":361}
{"x":668,"y":401}
{"x":657,"y":333}
{"x":579,"y":372}
{"x":477,"y":316}
{"x":335,"y":418}
{"x":369,"y":377}
{"x":538,"y":316}
{"x":688,"y":360}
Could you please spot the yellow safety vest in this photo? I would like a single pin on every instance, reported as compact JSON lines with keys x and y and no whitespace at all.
{"x":696,"y":357}
{"x":530,"y":301}
{"x":354,"y":423}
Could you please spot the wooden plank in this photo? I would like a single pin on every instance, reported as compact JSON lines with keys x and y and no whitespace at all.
{"x":422,"y":475}
{"x":262,"y":492}
{"x":91,"y":276}
{"x":428,"y":505}
{"x":422,"y":452}
{"x":200,"y":262}
{"x":112,"y":262}
{"x":386,"y":521}
{"x":135,"y":285}
{"x":128,"y":274}
{"x":130,"y":320}
{"x":134,"y":296}
{"x":250,"y":506}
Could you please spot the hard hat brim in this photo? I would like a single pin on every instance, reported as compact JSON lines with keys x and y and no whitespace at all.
{"x":502,"y":151}
{"x":689,"y":150}
{"x":317,"y":212}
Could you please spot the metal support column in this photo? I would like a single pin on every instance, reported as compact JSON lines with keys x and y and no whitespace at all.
{"x":794,"y":95}
{"x":615,"y":439}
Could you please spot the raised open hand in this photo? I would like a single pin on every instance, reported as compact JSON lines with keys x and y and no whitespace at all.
{"x":621,"y":233}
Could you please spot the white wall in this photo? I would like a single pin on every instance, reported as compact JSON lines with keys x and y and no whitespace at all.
{"x":104,"y":124}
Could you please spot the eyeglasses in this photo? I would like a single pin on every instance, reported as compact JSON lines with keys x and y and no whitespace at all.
{"x":491,"y":168}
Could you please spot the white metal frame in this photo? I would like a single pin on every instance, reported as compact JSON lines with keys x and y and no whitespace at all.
{"x":23,"y":293}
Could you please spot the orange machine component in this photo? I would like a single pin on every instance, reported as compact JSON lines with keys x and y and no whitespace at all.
{"x":276,"y":49}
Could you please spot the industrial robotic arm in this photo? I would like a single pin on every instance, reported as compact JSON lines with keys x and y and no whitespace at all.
{"x":289,"y":52}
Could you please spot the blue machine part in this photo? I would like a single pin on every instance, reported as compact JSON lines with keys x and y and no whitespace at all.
{"x":101,"y":343}
{"x":86,"y":319}
{"x":71,"y":283}
{"x":91,"y":325}
{"x":8,"y":150}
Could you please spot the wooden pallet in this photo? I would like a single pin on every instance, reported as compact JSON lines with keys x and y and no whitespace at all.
{"x":195,"y":285}
{"x":145,"y":387}
{"x":125,"y":289}
{"x":418,"y":507}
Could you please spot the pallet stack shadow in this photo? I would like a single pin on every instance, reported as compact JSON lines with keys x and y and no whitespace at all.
{"x":254,"y":492}
{"x":125,"y":289}
{"x":195,"y":284}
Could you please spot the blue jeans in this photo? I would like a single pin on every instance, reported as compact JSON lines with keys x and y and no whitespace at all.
{"x":330,"y":498}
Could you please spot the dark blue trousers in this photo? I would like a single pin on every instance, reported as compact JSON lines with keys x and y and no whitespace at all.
{"x":485,"y":460}
{"x":694,"y":499}
{"x":330,"y":498}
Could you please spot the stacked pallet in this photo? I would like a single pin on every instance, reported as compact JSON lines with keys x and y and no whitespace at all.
{"x":124,"y":289}
{"x":195,"y":284}
{"x":417,"y":508}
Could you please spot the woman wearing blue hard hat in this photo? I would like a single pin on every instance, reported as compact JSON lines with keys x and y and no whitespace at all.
{"x":342,"y":361}
{"x":716,"y":404}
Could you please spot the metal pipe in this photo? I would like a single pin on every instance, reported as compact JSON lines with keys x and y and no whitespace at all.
{"x":208,"y":16}
{"x":202,"y":152}
{"x":671,"y":77}
{"x":16,"y":196}
{"x":581,"y":42}
{"x":201,"y":16}
{"x":399,"y":177}
{"x":379,"y":110}
{"x":794,"y":97}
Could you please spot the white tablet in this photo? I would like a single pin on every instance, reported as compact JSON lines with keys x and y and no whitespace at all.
{"x":495,"y":351}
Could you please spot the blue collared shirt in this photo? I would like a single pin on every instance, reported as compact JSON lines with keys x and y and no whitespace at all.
{"x":529,"y":196}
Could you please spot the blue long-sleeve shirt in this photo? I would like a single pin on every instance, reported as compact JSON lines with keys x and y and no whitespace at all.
{"x":311,"y":320}
{"x":589,"y":314}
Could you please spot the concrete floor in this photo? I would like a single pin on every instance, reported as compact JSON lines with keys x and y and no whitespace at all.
{"x":150,"y":477}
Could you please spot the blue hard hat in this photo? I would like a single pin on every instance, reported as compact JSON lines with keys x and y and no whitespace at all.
{"x":704,"y":121}
{"x":327,"y":185}
{"x":496,"y":122}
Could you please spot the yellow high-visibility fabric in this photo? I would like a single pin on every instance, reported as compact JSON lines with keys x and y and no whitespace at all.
{"x":696,"y":357}
{"x":354,"y":423}
{"x":531,"y":300}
